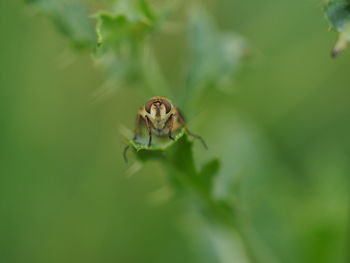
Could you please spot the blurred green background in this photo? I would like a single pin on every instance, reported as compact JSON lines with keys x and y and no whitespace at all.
{"x":283,"y":133}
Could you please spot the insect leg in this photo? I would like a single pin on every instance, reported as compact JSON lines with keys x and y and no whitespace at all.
{"x":149,"y":131}
{"x":125,"y":152}
{"x":197,"y":137}
{"x":182,"y":121}
{"x":137,"y":126}
{"x":171,"y":124}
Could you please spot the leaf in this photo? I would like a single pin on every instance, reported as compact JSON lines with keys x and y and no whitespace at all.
{"x":215,"y":55}
{"x":181,"y":156}
{"x":177,"y":156}
{"x":156,"y":150}
{"x":71,"y":18}
{"x":130,"y":24}
{"x":338,"y":14}
{"x":207,"y":175}
{"x":123,"y":47}
{"x":141,"y":143}
{"x":175,"y":153}
{"x":114,"y":31}
{"x":146,"y":10}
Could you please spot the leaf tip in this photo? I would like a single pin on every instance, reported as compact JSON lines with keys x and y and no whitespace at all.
{"x":335,"y":53}
{"x":340,"y":45}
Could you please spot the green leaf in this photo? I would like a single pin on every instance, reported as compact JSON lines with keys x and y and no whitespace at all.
{"x":114,"y":31}
{"x":207,"y":175}
{"x":181,"y":156}
{"x":179,"y":163}
{"x":71,"y":18}
{"x":156,"y":150}
{"x":215,"y":55}
{"x":123,"y":42}
{"x":146,"y":10}
{"x":177,"y":155}
{"x":338,"y":14}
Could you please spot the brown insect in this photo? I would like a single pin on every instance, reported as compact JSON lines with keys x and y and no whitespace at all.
{"x":161,"y":119}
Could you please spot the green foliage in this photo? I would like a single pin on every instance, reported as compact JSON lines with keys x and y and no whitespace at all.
{"x":123,"y":46}
{"x":176,"y":153}
{"x":141,"y":143}
{"x":207,"y":175}
{"x":215,"y":55}
{"x":338,"y":14}
{"x":115,"y":31}
{"x":122,"y":39}
{"x":118,"y":41}
{"x":282,"y":169}
{"x":177,"y":159}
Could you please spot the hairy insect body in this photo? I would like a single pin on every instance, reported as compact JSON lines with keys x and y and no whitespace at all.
{"x":161,"y":118}
{"x":160,"y":125}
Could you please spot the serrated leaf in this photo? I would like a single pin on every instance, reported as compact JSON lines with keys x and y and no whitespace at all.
{"x":141,"y":143}
{"x":123,"y":41}
{"x":114,"y":31}
{"x":177,"y":153}
{"x":178,"y":156}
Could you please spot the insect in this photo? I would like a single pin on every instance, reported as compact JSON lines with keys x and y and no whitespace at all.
{"x":161,"y":119}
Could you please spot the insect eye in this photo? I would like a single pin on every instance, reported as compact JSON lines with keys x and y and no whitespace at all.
{"x":148,"y":106}
{"x":167,"y":106}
